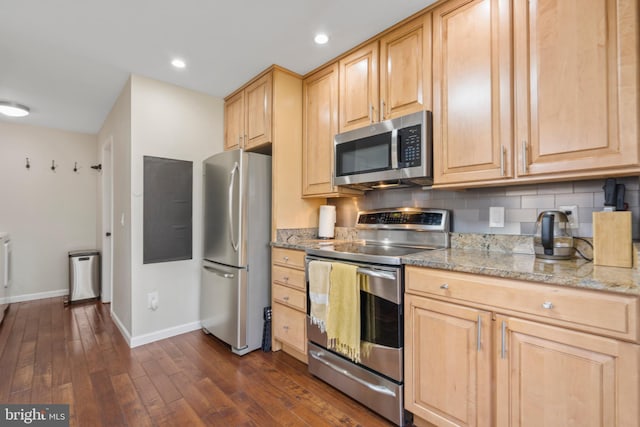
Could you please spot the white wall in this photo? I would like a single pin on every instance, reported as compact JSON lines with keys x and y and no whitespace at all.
{"x":47,"y":213}
{"x":117,"y":129}
{"x":172,"y":122}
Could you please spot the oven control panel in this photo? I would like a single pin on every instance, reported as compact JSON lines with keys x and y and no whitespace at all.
{"x":405,"y":218}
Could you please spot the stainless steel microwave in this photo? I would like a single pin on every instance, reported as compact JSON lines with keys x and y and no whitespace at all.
{"x":392,"y":152}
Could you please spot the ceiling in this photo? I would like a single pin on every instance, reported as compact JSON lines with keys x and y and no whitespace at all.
{"x":68,"y":60}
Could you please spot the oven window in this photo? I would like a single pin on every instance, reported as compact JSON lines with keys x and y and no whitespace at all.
{"x":364,"y":155}
{"x":380,"y":321}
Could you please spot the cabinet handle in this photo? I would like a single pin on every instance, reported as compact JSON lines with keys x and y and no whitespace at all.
{"x":382,"y":109}
{"x":502,"y":160}
{"x":444,"y":286}
{"x":285,"y":278}
{"x":503,"y":350}
{"x":548,"y":305}
{"x":286,"y":298}
{"x":286,"y":328}
{"x":286,"y":259}
{"x":525,"y":156}
{"x":370,"y":113}
{"x":479,"y":332}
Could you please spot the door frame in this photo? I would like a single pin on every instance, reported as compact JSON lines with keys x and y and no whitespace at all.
{"x":107,"y":220}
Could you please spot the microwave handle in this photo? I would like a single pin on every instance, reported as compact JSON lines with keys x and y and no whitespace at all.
{"x":394,"y":148}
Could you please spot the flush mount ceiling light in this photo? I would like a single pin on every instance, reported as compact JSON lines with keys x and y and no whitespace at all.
{"x":178,"y":63}
{"x":321,"y":38}
{"x":13,"y":109}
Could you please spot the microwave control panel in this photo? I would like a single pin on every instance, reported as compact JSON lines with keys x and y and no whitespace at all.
{"x":409,"y":146}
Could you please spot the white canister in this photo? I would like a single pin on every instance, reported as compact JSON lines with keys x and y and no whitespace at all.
{"x":326,"y":222}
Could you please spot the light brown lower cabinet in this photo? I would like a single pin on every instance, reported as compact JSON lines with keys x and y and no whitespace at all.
{"x":471,"y":363}
{"x":289,"y":302}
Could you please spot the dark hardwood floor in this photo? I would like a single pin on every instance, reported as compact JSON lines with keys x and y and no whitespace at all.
{"x":76,"y":355}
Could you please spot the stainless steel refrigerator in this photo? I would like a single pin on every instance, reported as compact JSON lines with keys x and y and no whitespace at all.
{"x":236,"y":269}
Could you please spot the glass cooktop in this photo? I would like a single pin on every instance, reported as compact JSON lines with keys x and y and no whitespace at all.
{"x":363,"y":252}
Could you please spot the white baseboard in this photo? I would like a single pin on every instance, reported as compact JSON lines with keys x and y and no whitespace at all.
{"x":165,"y":333}
{"x":125,"y":333}
{"x":39,"y":295}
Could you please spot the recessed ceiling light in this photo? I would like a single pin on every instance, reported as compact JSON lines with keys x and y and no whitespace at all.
{"x":321,"y":38}
{"x":178,"y":63}
{"x":13,"y":109}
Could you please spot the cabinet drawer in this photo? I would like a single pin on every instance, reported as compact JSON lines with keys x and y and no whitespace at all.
{"x":594,"y":311}
{"x":288,"y":257}
{"x":291,"y":297}
{"x":288,"y":276}
{"x":289,"y":326}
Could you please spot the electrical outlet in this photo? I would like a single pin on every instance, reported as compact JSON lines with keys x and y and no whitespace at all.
{"x":152,"y":301}
{"x":572,"y":215}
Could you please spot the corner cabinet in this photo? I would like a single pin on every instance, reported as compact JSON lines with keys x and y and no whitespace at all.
{"x":472,"y":121}
{"x":486,"y":351}
{"x":320,"y":124}
{"x":289,"y":302}
{"x":576,"y":83}
{"x":388,"y":77}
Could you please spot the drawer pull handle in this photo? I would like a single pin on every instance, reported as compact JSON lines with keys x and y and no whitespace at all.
{"x":444,"y":286}
{"x":286,"y":259}
{"x":548,"y":305}
{"x":503,"y":348}
{"x":286,"y":328}
{"x":286,"y":298}
{"x":479,"y":338}
{"x":285,"y":278}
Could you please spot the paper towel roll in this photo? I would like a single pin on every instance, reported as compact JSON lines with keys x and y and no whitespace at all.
{"x":327,"y":221}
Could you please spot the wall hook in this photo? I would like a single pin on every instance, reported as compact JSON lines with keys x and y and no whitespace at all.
{"x":27,"y":165}
{"x":75,"y":167}
{"x":53,"y":165}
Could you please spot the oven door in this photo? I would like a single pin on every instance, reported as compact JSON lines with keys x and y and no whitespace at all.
{"x":381,"y":319}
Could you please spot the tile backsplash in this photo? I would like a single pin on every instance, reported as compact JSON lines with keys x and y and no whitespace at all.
{"x":521,"y":204}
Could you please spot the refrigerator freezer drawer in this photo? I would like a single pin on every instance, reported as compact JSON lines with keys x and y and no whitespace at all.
{"x":223,"y":304}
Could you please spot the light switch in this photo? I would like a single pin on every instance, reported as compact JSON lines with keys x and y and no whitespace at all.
{"x":496,"y":216}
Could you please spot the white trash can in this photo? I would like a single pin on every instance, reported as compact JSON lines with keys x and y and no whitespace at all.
{"x":84,"y":275}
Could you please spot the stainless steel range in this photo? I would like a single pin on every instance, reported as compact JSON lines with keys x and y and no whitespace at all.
{"x":377,"y":381}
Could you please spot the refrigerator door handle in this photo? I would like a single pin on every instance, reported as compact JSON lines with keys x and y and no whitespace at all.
{"x":232,"y":176}
{"x":220,"y":272}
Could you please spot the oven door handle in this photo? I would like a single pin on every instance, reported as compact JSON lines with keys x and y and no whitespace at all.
{"x":377,"y":273}
{"x":377,"y":388}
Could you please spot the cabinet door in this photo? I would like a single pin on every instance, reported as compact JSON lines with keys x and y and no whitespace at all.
{"x":359,"y":88}
{"x":258,"y":99}
{"x":472,"y":126}
{"x":405,"y":69}
{"x":548,"y":376}
{"x":576,"y":65}
{"x":234,"y":122}
{"x":447,"y":363}
{"x":320,"y":124}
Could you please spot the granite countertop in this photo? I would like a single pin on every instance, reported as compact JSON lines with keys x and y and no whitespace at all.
{"x":575,"y":272}
{"x":494,"y":256}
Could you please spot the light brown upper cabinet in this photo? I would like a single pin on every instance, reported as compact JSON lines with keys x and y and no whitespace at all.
{"x":358,"y":87}
{"x":576,"y":86}
{"x":248,"y":115}
{"x":405,"y":69}
{"x":234,"y":121}
{"x":319,"y":125}
{"x":472,"y":122}
{"x":388,"y":77}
